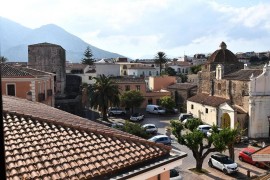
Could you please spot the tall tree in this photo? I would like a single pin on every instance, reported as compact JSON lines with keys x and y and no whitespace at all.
{"x":102,"y":93}
{"x":197,"y":143}
{"x":170,"y":71}
{"x":167,"y":102}
{"x":3,"y":59}
{"x":88,"y":56}
{"x":131,"y":99}
{"x":160,"y":59}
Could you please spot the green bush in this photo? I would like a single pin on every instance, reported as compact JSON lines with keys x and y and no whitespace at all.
{"x":135,"y":129}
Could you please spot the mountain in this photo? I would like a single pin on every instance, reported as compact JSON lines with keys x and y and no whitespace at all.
{"x":15,"y":39}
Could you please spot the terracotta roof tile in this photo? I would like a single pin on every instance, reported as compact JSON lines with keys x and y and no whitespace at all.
{"x":243,"y":74}
{"x":206,"y":99}
{"x":54,"y":144}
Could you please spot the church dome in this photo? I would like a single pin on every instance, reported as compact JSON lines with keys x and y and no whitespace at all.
{"x":223,"y":55}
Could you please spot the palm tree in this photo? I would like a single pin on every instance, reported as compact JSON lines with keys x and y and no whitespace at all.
{"x":104,"y":93}
{"x":160,"y":59}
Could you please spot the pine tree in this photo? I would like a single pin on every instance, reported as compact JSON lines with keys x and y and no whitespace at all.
{"x":88,"y":56}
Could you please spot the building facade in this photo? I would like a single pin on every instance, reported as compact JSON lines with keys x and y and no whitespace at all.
{"x":49,"y":58}
{"x":232,"y":95}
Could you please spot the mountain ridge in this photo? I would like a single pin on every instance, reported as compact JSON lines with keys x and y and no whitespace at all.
{"x":15,"y":39}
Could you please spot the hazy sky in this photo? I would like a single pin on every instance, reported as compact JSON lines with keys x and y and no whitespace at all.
{"x":141,"y":28}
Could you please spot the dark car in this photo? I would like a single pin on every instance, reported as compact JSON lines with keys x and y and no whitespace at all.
{"x":245,"y":155}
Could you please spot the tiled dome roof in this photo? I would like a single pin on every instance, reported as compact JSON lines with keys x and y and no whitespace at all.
{"x":223,"y":55}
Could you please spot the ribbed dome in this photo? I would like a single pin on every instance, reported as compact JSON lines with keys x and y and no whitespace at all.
{"x":223,"y":55}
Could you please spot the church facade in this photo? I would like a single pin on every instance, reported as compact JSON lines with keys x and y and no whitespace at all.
{"x":232,"y":95}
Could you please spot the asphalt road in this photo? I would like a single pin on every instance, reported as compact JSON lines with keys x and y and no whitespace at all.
{"x":189,"y":162}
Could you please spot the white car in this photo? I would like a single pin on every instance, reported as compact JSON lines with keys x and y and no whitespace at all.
{"x":150,"y":128}
{"x":209,"y":133}
{"x":184,"y":116}
{"x":136,"y":117}
{"x":223,"y":162}
{"x":204,"y":128}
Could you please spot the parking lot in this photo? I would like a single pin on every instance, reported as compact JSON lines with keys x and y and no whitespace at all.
{"x":189,"y":162}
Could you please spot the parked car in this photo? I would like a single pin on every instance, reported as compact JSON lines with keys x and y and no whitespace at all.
{"x":223,"y":162}
{"x":184,"y":116}
{"x":172,"y":111}
{"x":161,"y":139}
{"x":116,"y":111}
{"x":155,"y":109}
{"x":150,"y":128}
{"x":210,"y":131}
{"x":174,"y":175}
{"x":136,"y":117}
{"x":245,"y":155}
{"x":204,"y":128}
{"x":117,"y":125}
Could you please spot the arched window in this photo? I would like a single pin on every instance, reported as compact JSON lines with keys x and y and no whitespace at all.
{"x":219,"y":86}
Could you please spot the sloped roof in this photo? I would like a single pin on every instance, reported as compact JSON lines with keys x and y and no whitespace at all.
{"x":76,"y":66}
{"x":181,"y":86}
{"x":47,"y":143}
{"x":205,"y":99}
{"x":243,"y":74}
{"x":128,"y":80}
{"x":19,"y":71}
{"x":10,"y":71}
{"x":44,"y":44}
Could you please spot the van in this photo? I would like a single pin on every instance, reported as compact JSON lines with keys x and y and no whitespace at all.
{"x":155,"y":109}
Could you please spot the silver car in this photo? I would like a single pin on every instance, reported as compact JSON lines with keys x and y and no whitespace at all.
{"x":161,"y":139}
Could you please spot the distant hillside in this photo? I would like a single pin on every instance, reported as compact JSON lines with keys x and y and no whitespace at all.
{"x":15,"y":39}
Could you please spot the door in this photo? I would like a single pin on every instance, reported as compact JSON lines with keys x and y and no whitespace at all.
{"x":225,"y":121}
{"x":11,"y":89}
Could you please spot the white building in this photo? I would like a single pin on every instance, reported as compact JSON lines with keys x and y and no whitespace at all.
{"x":143,"y":71}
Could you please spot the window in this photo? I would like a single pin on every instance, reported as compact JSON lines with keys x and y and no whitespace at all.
{"x":11,"y":89}
{"x":127,"y":87}
{"x":206,"y":110}
{"x":219,"y":86}
{"x":192,"y":107}
{"x":158,"y":101}
{"x":150,"y":101}
{"x":138,"y":87}
{"x":150,"y":73}
{"x":90,"y":77}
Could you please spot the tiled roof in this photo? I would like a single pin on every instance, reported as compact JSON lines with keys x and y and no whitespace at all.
{"x":34,"y":72}
{"x":76,"y":66}
{"x":208,"y":100}
{"x":10,"y":71}
{"x":42,"y":142}
{"x":243,"y":74}
{"x":265,"y":150}
{"x":181,"y":86}
{"x":129,"y":80}
{"x":19,"y":71}
{"x":223,"y":56}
